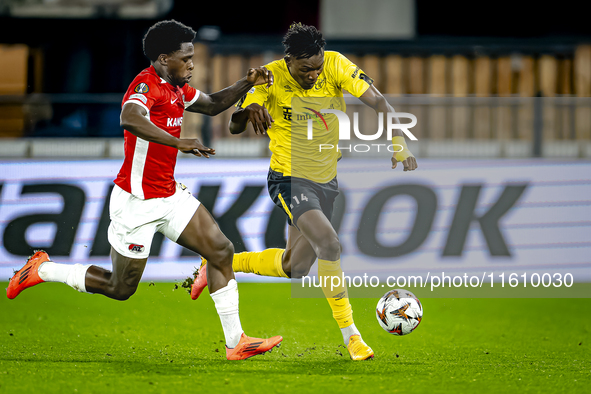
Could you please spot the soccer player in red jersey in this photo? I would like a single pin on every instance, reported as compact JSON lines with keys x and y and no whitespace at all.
{"x":146,"y":198}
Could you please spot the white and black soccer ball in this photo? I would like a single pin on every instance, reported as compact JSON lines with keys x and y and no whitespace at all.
{"x":399,"y":312}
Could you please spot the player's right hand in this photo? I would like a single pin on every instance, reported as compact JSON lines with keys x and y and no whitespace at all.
{"x":195,"y":147}
{"x":259,"y":117}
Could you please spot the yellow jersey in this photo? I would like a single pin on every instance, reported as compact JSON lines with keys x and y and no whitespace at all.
{"x":300,"y":128}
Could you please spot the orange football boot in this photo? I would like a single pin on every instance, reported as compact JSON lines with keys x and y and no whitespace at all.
{"x":200,"y":281}
{"x":27,"y":276}
{"x":248,"y":347}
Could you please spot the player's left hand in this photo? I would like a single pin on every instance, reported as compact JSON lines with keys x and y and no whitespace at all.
{"x":260,"y":76}
{"x":406,"y":157}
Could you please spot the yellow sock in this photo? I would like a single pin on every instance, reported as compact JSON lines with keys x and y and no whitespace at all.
{"x":265,"y":263}
{"x":331,"y":275}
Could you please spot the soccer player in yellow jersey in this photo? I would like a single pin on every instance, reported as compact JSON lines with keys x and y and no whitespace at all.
{"x":307,"y":73}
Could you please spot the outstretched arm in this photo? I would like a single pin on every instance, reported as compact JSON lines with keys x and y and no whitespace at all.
{"x":374,"y":99}
{"x":213,"y":104}
{"x":133,"y":119}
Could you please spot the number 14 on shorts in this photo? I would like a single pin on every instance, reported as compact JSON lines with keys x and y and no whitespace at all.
{"x":295,"y":198}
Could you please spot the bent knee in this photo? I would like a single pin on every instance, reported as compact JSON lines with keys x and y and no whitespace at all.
{"x":329,"y":249}
{"x":226,"y":250}
{"x":121,"y":292}
{"x":222,"y":253}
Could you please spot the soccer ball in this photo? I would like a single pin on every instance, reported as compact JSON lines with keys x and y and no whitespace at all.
{"x":399,"y":312}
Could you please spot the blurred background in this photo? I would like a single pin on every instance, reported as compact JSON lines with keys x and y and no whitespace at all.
{"x":508,"y":82}
{"x":470,"y":75}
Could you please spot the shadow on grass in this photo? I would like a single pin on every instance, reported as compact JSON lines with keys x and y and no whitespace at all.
{"x":163,"y":366}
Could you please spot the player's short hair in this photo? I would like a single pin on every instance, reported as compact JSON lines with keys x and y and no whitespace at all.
{"x":166,"y":37}
{"x":303,"y":41}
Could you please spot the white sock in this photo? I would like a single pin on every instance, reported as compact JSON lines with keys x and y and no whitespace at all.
{"x":72,"y":275}
{"x":226,"y":303}
{"x":348,"y":331}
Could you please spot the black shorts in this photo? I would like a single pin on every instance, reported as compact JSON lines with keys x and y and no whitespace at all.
{"x":297,"y":195}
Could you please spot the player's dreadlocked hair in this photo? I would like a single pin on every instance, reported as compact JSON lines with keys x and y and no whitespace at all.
{"x":166,"y":37}
{"x":303,"y":41}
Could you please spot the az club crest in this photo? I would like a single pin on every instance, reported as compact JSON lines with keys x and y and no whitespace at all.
{"x":136,"y":248}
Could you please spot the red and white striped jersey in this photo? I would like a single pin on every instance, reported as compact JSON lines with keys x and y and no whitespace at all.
{"x":148,"y":167}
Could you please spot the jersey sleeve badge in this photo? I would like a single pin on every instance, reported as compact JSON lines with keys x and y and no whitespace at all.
{"x":142,"y":88}
{"x":366,"y":78}
{"x":140,"y":97}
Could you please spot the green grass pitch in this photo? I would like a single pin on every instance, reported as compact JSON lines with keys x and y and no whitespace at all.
{"x":53,"y":339}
